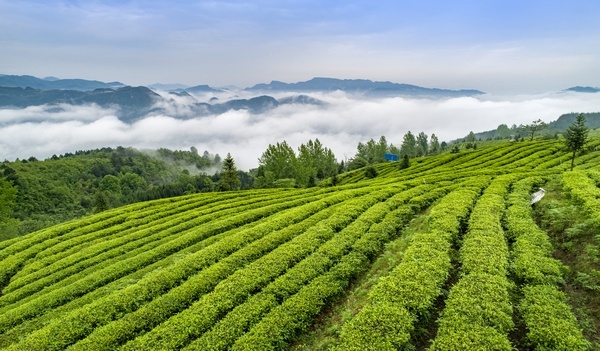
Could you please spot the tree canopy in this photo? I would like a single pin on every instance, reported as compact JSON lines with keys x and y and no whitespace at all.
{"x":576,"y":137}
{"x":313,"y":162}
{"x":230,"y":180}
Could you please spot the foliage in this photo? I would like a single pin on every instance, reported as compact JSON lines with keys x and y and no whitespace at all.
{"x":405,"y":163}
{"x":230,"y":179}
{"x":534,"y":127}
{"x":8,"y":194}
{"x":409,"y":145}
{"x":279,"y":160}
{"x":413,"y":285}
{"x":370,"y":172}
{"x":434,"y":145}
{"x":551,"y":323}
{"x":373,"y":152}
{"x":576,"y":137}
{"x":250,"y":270}
{"x":422,"y":144}
{"x":73,"y":185}
{"x":314,"y":161}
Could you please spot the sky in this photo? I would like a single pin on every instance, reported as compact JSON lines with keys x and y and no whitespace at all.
{"x":500,"y":47}
{"x":523,"y":54}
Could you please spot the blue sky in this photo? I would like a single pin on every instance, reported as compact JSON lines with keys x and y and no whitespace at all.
{"x":495,"y":46}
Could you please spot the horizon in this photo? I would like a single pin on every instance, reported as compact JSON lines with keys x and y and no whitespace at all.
{"x":499,"y":47}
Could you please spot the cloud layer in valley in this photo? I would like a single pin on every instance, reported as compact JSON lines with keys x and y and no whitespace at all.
{"x":344,"y":121}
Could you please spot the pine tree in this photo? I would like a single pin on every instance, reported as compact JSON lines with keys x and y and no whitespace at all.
{"x":576,"y":137}
{"x":230,"y":180}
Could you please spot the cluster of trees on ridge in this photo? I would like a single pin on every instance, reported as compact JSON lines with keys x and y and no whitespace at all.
{"x":549,"y":130}
{"x":35,"y":194}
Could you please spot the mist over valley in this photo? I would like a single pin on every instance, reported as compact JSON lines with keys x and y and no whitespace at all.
{"x":44,"y":121}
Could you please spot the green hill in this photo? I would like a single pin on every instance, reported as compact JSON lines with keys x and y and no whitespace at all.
{"x":445,"y":254}
{"x":72,"y":185}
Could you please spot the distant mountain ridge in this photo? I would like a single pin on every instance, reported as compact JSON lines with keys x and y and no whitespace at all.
{"x":362,"y":85}
{"x":53,"y":83}
{"x":580,"y":89}
{"x":132,"y":103}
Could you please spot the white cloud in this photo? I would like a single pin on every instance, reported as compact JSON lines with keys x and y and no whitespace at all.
{"x":340,"y":125}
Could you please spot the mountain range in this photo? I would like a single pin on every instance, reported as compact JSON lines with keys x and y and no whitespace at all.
{"x":132,"y":103}
{"x":579,"y":89}
{"x":51,"y":83}
{"x":363,"y":86}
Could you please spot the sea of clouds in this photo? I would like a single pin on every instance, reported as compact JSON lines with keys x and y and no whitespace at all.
{"x":340,"y":123}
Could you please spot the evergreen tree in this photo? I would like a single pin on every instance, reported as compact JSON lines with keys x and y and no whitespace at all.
{"x":434,"y":145}
{"x":409,"y":145}
{"x":576,"y":137}
{"x":230,"y":180}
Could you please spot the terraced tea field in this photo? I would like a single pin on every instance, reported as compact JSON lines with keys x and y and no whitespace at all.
{"x":253,"y":270}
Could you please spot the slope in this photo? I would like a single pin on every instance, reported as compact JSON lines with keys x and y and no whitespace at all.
{"x":252,"y":270}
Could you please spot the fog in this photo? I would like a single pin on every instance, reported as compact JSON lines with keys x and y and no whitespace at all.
{"x":340,"y":124}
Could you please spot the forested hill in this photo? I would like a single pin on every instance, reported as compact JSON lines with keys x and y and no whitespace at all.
{"x":74,"y":184}
{"x":443,"y":253}
{"x":559,"y":126}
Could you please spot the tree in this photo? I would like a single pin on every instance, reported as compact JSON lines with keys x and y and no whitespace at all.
{"x":434,"y":145}
{"x":316,"y":161}
{"x":534,"y":127}
{"x":280,"y":160}
{"x":230,"y":180}
{"x":373,"y":151}
{"x":409,"y":145}
{"x":443,"y":146}
{"x":576,"y":137}
{"x":422,"y":144}
{"x":471,"y":137}
{"x":357,"y":162}
{"x":405,"y":163}
{"x":8,"y":194}
{"x":100,"y":202}
{"x":503,"y":131}
{"x":131,"y":183}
